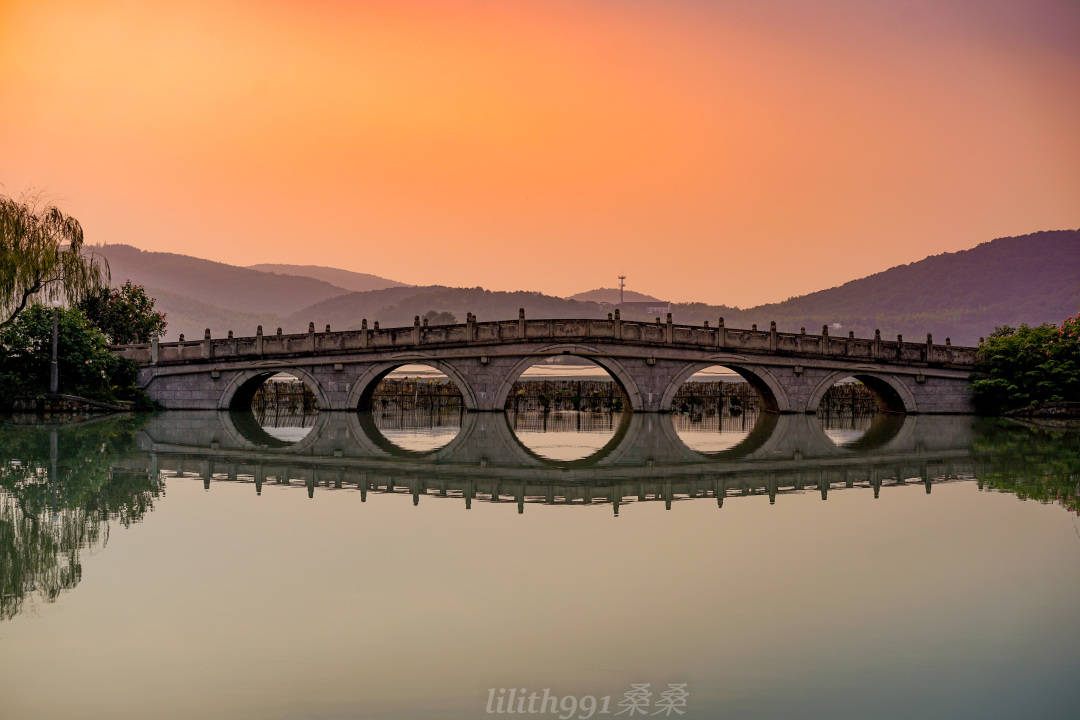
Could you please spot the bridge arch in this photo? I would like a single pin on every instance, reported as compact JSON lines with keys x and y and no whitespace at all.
{"x":362,"y":389}
{"x":241,"y":388}
{"x":892,"y":395}
{"x":617,"y":370}
{"x":773,"y":395}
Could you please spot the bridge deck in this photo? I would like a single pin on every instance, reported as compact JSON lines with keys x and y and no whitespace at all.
{"x":611,"y":330}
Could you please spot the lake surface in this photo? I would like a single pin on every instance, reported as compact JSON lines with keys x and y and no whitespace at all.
{"x":420,"y":566}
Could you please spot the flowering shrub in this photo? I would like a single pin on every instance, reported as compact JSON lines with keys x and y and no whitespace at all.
{"x":1028,"y":366}
{"x":125,"y":314}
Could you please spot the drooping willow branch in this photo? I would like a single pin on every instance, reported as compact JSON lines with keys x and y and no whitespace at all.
{"x":42,"y":258}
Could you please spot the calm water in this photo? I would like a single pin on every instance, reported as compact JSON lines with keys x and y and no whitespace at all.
{"x":412,"y":565}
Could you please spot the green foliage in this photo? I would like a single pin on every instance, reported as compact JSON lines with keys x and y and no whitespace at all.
{"x":1028,"y":366}
{"x":86,"y":365}
{"x":41,"y":259}
{"x":59,"y":492}
{"x":125,"y":314}
{"x":1032,"y":463}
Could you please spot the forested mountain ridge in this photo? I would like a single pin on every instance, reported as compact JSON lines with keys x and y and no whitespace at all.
{"x":961,"y":295}
{"x":964,"y":295}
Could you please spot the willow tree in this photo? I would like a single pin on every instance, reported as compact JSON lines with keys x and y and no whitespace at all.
{"x":42,"y":258}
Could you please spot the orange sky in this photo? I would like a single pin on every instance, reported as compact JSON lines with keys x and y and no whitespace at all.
{"x":728,"y":152}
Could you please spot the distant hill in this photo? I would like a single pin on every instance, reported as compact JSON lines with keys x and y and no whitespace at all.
{"x":963,"y":295}
{"x":400,"y":306}
{"x":611,"y":295}
{"x":197,"y":294}
{"x":191,"y":317}
{"x":228,"y":286}
{"x":347,"y":279}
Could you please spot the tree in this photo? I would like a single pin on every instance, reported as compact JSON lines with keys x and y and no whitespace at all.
{"x":86,"y":365}
{"x":434,"y":317}
{"x":1028,"y":366}
{"x":125,"y":314}
{"x":42,"y":259}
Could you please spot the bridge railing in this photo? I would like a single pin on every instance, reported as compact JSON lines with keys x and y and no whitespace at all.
{"x":554,"y":330}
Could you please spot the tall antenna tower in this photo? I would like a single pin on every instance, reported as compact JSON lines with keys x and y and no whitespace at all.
{"x":622,"y":284}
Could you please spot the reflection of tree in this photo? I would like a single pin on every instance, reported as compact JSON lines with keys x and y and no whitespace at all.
{"x":59,"y":492}
{"x":1032,"y":462}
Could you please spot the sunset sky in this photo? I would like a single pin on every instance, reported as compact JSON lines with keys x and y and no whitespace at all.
{"x":730,"y":152}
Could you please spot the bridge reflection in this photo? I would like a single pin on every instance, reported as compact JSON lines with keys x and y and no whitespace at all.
{"x":645,"y":460}
{"x":61,"y":489}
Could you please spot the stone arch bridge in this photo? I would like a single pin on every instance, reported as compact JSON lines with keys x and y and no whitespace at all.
{"x":650,"y":361}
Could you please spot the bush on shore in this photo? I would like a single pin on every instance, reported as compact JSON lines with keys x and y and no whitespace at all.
{"x":86,"y":366}
{"x":1027,"y":367}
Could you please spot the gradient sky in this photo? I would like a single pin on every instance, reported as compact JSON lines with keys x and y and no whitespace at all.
{"x":732,"y":152}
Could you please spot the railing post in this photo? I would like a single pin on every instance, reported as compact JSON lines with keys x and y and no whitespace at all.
{"x":470,"y":327}
{"x":618,"y":325}
{"x":311,"y":335}
{"x":416,"y":330}
{"x":899,"y":346}
{"x":772,"y":336}
{"x":521,"y":323}
{"x":877,"y":343}
{"x":364,"y":333}
{"x":668,"y":332}
{"x":824,"y":339}
{"x":258,"y":340}
{"x":929,"y":347}
{"x":206,"y":345}
{"x":721,"y":334}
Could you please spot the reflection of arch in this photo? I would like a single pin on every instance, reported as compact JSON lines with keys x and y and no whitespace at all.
{"x":773,"y":396}
{"x":240,"y":390}
{"x":613,"y":367}
{"x":891,"y":394}
{"x":364,"y":387}
{"x":759,"y":434}
{"x":366,"y":422}
{"x":883,"y":428}
{"x":243,"y":429}
{"x":615,"y":441}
